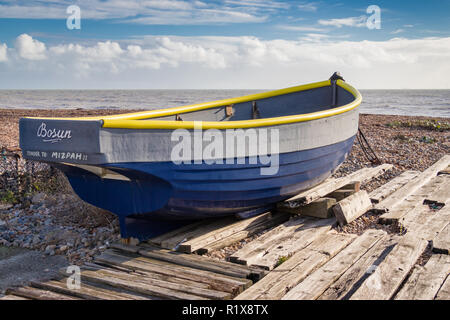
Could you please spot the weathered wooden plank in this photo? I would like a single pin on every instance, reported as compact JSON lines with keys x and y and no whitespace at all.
{"x":200,"y":242}
{"x":38,"y":294}
{"x":426,"y":223}
{"x":341,"y":194}
{"x":442,"y":195}
{"x":425,"y":282}
{"x":331,"y":184}
{"x":179,"y":233}
{"x":238,"y":236}
{"x":86,"y":291}
{"x":352,"y":207}
{"x":297,"y":267}
{"x":187,"y":260}
{"x":260,"y":244}
{"x":216,"y":281}
{"x":189,"y":288}
{"x":385,"y":190}
{"x":137,"y":285}
{"x":203,"y":263}
{"x":290,"y":243}
{"x":317,"y":282}
{"x":354,"y":185}
{"x":444,"y":291}
{"x":441,"y":244}
{"x":156,"y":277}
{"x":275,"y":220}
{"x":320,"y":208}
{"x":396,"y":198}
{"x":414,"y":200}
{"x":388,"y":276}
{"x":349,"y":282}
{"x":281,"y":241}
{"x":13,"y":297}
{"x":175,"y":242}
{"x":445,"y":171}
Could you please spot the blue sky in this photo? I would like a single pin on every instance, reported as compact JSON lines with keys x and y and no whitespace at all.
{"x":222,"y":44}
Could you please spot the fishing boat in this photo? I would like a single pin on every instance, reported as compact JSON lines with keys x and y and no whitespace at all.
{"x":160,"y":169}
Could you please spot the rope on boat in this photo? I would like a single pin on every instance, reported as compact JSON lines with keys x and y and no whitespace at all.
{"x":366,"y":148}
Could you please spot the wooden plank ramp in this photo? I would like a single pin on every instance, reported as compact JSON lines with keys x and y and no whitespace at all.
{"x":351,"y":279}
{"x":416,"y":199}
{"x":320,"y":280}
{"x":144,"y":273}
{"x":203,"y":237}
{"x":425,"y":282}
{"x":394,"y":204}
{"x":387,"y":277}
{"x":444,"y":291}
{"x":387,"y":189}
{"x":441,"y":243}
{"x":298,"y":257}
{"x":281,"y":242}
{"x":296,"y":268}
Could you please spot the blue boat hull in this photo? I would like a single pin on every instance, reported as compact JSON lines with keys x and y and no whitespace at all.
{"x":171,"y":195}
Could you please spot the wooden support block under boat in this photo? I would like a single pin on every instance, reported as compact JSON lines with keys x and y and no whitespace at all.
{"x":320,"y":208}
{"x":341,"y":194}
{"x":352,"y":207}
{"x":333,"y":184}
{"x":354,"y":185}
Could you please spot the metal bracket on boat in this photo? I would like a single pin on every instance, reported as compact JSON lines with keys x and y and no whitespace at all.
{"x":335,"y":77}
{"x":229,"y":111}
{"x":255,"y":110}
{"x":178,"y":118}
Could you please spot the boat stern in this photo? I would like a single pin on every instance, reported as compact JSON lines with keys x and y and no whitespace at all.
{"x":61,"y":141}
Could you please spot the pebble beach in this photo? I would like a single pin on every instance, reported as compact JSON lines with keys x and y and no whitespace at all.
{"x":51,"y":220}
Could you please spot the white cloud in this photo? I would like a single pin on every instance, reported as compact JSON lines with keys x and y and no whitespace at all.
{"x":260,"y":3}
{"x":226,"y":62}
{"x":348,"y":22}
{"x":3,"y":52}
{"x":29,"y":48}
{"x":308,"y":6}
{"x":301,"y":28}
{"x":149,"y":11}
{"x":398,"y":31}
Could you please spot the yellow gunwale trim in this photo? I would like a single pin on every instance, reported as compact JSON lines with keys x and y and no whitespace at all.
{"x":133,"y":120}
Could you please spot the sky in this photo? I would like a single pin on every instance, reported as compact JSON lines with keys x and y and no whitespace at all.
{"x":223,"y":44}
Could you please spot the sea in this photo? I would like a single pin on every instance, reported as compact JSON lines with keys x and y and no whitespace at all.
{"x":431,"y":103}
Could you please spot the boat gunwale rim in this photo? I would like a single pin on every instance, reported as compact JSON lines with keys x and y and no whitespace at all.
{"x":118,"y":121}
